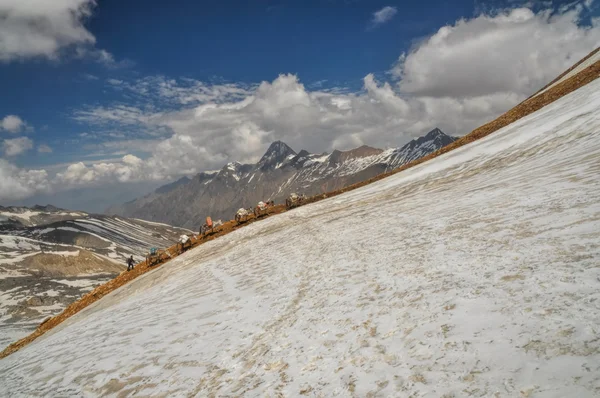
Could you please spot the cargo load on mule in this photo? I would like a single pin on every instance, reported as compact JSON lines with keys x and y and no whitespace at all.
{"x":242,"y":215}
{"x":210,"y":227}
{"x":294,"y":200}
{"x":184,"y":243}
{"x":263,"y":208}
{"x":156,"y":256}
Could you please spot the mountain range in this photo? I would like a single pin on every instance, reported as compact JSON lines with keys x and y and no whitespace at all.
{"x":49,"y":257}
{"x":281,"y":171}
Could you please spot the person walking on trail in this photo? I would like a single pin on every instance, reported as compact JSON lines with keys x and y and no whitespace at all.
{"x":130,"y":263}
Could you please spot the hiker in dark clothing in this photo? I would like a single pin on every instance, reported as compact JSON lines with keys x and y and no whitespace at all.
{"x":130,"y":263}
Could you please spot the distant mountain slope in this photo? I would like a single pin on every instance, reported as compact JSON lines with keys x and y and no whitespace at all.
{"x":278,"y":173}
{"x":36,"y":215}
{"x":173,"y":185}
{"x":49,"y":257}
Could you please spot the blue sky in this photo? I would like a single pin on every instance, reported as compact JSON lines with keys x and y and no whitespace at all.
{"x":134,"y":94}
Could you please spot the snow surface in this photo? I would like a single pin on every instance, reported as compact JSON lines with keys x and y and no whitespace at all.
{"x":70,"y":229}
{"x":83,"y":283}
{"x":474,"y":274}
{"x":25,"y":215}
{"x":9,"y":273}
{"x":156,"y":223}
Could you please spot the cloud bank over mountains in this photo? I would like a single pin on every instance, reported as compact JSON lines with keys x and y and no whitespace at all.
{"x":462,"y":76}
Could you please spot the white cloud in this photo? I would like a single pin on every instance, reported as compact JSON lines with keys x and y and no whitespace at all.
{"x":128,"y":169}
{"x":77,"y":172}
{"x":463,"y":76}
{"x":514,"y":52}
{"x":122,"y":114}
{"x":17,"y":146}
{"x":208,"y":135}
{"x":17,"y":183}
{"x":44,"y":149}
{"x":43,"y":28}
{"x":12,"y":124}
{"x":183,"y":91}
{"x":384,"y":15}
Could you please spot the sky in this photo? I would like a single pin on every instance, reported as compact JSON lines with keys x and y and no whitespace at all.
{"x":103,"y":101}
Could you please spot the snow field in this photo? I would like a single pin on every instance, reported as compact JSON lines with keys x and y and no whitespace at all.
{"x":474,"y":274}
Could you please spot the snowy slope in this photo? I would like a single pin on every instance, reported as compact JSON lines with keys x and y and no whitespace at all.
{"x":474,"y":274}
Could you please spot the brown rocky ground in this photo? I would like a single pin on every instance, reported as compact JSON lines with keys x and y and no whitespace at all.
{"x":523,"y":109}
{"x":55,"y":265}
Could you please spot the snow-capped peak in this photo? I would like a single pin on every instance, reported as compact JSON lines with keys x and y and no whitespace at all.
{"x":277,"y":153}
{"x":435,"y":133}
{"x":235,"y":170}
{"x":232,"y":166}
{"x":435,"y":137}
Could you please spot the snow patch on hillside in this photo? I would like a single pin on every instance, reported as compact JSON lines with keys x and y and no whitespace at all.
{"x":25,"y":215}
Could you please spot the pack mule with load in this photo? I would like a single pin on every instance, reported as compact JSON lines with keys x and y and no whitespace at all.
{"x":294,"y":200}
{"x":242,"y":215}
{"x":210,"y":227}
{"x":184,"y":243}
{"x":156,"y":256}
{"x":263,"y":208}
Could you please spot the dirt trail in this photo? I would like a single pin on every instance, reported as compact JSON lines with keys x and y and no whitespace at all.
{"x":525,"y":108}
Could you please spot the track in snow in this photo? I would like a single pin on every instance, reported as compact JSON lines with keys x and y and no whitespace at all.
{"x":476,"y":273}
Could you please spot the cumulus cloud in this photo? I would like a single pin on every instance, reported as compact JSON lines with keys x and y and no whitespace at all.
{"x":384,"y":15}
{"x":128,"y":169}
{"x":208,"y":135}
{"x":41,"y":28}
{"x":17,"y":183}
{"x":12,"y":124}
{"x":513,"y":52}
{"x":17,"y":146}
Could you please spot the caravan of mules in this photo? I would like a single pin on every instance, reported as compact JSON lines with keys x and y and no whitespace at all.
{"x":210,"y":227}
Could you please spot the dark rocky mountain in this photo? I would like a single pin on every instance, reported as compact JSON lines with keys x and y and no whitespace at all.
{"x":277,"y":153}
{"x":278,"y":173}
{"x":173,"y":185}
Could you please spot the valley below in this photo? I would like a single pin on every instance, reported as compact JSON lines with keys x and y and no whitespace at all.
{"x":50,"y":257}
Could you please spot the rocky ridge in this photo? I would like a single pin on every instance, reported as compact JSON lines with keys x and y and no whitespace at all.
{"x":279,"y":172}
